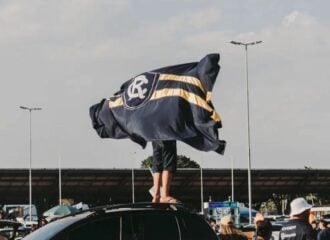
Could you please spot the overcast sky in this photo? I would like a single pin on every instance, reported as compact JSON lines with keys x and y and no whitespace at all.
{"x":66,"y":55}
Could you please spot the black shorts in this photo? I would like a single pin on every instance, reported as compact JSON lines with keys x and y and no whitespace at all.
{"x":164,"y":156}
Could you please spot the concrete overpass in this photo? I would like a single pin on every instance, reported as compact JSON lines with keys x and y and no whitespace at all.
{"x":100,"y":186}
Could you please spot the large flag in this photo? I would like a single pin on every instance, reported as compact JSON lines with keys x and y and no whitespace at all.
{"x":170,"y":103}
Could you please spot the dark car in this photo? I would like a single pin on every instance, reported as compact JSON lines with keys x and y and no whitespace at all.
{"x":143,"y":221}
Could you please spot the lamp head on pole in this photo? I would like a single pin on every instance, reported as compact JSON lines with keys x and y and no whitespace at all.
{"x":236,"y":43}
{"x":254,"y":43}
{"x":245,"y":44}
{"x":30,"y":109}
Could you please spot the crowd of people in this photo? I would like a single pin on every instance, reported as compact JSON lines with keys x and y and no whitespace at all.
{"x":226,"y":229}
{"x":298,"y":227}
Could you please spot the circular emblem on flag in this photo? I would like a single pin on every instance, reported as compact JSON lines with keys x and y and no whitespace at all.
{"x":139,"y":90}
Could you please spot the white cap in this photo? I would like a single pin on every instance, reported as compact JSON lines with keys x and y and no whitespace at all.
{"x":299,"y":205}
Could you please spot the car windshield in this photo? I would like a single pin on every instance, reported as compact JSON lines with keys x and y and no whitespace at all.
{"x":51,"y":229}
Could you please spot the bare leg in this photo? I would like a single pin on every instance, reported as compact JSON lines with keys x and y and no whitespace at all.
{"x":166,"y":181}
{"x":166,"y":186}
{"x":157,"y":178}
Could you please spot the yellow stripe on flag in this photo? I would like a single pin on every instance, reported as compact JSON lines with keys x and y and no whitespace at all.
{"x":116,"y":103}
{"x":185,"y":79}
{"x":188,"y":96}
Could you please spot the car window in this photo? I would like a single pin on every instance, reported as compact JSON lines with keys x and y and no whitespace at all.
{"x":195,"y":227}
{"x":151,"y":226}
{"x":100,"y":229}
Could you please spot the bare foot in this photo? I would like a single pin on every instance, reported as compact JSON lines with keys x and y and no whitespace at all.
{"x":168,"y":199}
{"x":156,"y":199}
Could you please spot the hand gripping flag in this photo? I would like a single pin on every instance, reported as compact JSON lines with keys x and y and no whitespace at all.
{"x":170,"y":103}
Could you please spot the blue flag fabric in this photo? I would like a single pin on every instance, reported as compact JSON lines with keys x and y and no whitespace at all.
{"x":170,"y":103}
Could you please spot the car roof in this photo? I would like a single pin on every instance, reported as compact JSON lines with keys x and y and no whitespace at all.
{"x":129,"y":207}
{"x":146,"y":205}
{"x":138,"y":206}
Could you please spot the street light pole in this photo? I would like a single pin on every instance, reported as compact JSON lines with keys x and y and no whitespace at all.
{"x":59,"y":181}
{"x":248,"y":118}
{"x":232,"y":179}
{"x":133,"y":186}
{"x":202,"y":190}
{"x":133,"y":179}
{"x":30,"y":164}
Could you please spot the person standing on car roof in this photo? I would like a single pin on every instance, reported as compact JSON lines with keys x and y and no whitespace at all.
{"x":298,"y":227}
{"x":163,"y":168}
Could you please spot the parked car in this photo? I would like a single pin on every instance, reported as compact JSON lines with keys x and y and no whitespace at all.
{"x":12,"y":229}
{"x":21,"y":213}
{"x":250,"y":229}
{"x":142,"y":221}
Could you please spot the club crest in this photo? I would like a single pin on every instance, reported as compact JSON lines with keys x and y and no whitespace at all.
{"x":139,"y":90}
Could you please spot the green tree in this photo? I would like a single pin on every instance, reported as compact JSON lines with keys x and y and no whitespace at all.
{"x":268,"y":207}
{"x":281,"y":202}
{"x":183,"y":162}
